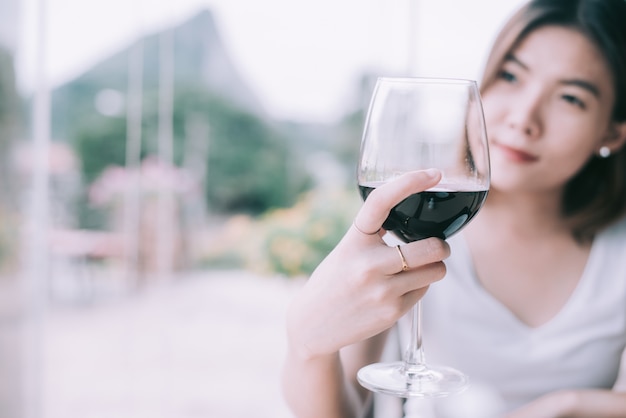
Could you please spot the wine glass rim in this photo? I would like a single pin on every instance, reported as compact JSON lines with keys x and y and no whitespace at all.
{"x":432,"y":80}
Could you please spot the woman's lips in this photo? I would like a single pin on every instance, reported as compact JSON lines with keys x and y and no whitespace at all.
{"x":516,"y":155}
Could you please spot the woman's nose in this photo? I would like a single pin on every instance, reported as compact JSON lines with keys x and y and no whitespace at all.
{"x":525,"y":114}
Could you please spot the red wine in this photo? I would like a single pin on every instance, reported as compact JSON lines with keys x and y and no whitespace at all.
{"x":432,"y":213}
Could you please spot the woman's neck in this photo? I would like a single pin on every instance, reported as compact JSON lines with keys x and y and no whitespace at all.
{"x":527,"y":215}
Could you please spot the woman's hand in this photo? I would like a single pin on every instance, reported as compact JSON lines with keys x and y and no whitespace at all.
{"x":360,"y":289}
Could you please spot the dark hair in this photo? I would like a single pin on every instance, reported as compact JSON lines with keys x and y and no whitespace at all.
{"x":596,"y":196}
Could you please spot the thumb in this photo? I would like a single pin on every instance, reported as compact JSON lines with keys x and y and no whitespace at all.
{"x":383,"y":198}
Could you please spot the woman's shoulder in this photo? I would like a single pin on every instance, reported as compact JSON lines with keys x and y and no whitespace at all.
{"x":615,"y":232}
{"x":609,"y":246}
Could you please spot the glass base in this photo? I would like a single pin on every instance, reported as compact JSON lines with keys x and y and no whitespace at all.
{"x":413,"y":382}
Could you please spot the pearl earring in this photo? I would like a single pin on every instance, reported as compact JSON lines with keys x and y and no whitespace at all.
{"x":604,"y":152}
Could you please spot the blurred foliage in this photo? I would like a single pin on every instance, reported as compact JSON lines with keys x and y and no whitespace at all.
{"x":8,"y":96}
{"x":250,"y":166}
{"x":290,"y":241}
{"x":8,"y":232}
{"x":249,"y":163}
{"x":259,"y":169}
{"x":9,"y":121}
{"x":254,"y":168}
{"x":349,"y":131}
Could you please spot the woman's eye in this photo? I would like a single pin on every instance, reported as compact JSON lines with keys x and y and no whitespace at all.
{"x":574,"y":101}
{"x":507,"y":76}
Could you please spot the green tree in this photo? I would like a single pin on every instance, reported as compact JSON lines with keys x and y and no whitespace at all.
{"x":250,"y":165}
{"x":9,"y":116}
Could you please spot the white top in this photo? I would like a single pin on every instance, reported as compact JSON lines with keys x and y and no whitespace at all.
{"x":510,"y":363}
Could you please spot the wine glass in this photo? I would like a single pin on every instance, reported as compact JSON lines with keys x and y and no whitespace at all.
{"x":415,"y":124}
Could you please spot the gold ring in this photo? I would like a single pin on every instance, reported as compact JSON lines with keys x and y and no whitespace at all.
{"x":405,"y":266}
{"x":363,"y":232}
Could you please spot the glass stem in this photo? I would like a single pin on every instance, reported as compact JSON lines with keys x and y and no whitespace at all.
{"x":414,"y":359}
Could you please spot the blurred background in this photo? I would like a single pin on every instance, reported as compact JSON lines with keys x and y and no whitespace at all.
{"x":171,"y":172}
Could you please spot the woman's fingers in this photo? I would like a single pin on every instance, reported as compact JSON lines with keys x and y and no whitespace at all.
{"x":416,"y":254}
{"x":423,"y":252}
{"x":409,"y":281}
{"x":425,"y":266}
{"x":381,"y":200}
{"x":361,"y":287}
{"x":387,"y":300}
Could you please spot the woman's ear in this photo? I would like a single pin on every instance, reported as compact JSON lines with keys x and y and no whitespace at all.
{"x":615,"y":138}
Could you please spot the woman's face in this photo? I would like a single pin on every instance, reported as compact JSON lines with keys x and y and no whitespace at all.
{"x":548,"y":111}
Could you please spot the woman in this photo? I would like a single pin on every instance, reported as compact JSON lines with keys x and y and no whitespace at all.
{"x":533,"y":305}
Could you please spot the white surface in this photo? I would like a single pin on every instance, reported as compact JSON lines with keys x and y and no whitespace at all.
{"x":209,"y":345}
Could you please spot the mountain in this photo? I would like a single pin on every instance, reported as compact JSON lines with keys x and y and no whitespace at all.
{"x":201,"y":54}
{"x":200,"y":60}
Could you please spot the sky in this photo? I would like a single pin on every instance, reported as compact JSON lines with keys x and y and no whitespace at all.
{"x":302,"y":59}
